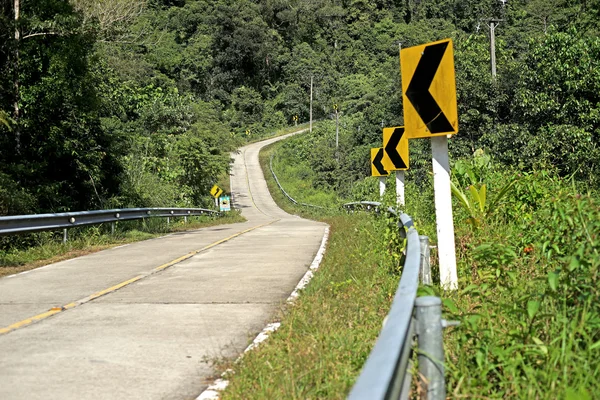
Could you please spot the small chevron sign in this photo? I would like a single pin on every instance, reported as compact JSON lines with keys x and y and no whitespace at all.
{"x":395,"y":145}
{"x":377,"y":168}
{"x":216,"y":192}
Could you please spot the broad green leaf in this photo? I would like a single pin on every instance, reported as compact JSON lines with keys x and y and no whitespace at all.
{"x":451,"y":306}
{"x":499,"y":196}
{"x":468,"y":289}
{"x":460,"y":196}
{"x":595,"y":345}
{"x":541,"y":345}
{"x":475,"y":195}
{"x":482,"y":197}
{"x":532,"y":308}
{"x":553,"y":280}
{"x":580,"y":394}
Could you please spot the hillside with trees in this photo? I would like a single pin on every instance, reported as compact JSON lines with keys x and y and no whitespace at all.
{"x":138,"y":103}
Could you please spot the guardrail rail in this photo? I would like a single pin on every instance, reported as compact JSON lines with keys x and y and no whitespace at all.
{"x":290,"y":198}
{"x":387,"y":373}
{"x":15,"y":224}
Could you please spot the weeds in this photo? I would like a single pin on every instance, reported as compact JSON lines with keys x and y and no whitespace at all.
{"x":530,"y":319}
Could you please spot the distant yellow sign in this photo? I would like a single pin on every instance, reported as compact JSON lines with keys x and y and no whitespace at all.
{"x":429,"y":90}
{"x":216,"y":192}
{"x":377,"y":168}
{"x":395,"y":145}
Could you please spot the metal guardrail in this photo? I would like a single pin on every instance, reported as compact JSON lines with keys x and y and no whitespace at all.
{"x":16,"y":224}
{"x":387,"y":373}
{"x":290,"y":198}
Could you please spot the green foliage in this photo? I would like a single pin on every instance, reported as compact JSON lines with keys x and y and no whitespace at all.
{"x":527,"y":284}
{"x":470,"y":173}
{"x":5,"y":119}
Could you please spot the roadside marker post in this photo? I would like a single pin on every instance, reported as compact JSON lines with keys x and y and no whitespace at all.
{"x":395,"y":145}
{"x":378,"y":168}
{"x":430,"y":111}
{"x":443,"y":213}
{"x":400,"y":188}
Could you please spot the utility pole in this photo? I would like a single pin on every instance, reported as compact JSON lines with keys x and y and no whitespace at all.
{"x":311,"y":99}
{"x":493,"y":22}
{"x":337,"y":127}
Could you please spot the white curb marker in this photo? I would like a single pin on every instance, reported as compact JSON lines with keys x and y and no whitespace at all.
{"x":212,"y":392}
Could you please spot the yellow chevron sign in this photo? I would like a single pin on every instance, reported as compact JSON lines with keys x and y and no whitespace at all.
{"x":429,"y":90}
{"x":216,"y":192}
{"x":377,"y":168}
{"x":395,"y":145}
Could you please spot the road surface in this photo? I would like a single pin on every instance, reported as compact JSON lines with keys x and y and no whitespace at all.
{"x":142,"y":321}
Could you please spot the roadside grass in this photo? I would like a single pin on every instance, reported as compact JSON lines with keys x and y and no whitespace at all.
{"x":528,"y":297}
{"x":26,"y":252}
{"x":529,"y":283}
{"x":326,"y":335}
{"x":328,"y":332}
{"x":295,"y":186}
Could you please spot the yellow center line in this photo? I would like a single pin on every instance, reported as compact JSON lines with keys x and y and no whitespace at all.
{"x":57,"y":310}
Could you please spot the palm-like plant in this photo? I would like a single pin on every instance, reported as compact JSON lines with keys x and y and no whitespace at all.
{"x":478,"y":207}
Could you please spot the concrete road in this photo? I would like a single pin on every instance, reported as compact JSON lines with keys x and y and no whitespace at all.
{"x":141,"y":321}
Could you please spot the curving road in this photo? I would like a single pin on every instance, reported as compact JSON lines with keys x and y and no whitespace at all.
{"x":141,"y":321}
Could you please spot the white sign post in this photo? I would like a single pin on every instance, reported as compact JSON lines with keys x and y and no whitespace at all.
{"x":400,"y":188}
{"x":381,"y":185}
{"x":443,"y":213}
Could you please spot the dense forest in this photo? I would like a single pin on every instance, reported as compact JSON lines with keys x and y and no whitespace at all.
{"x":117,"y":103}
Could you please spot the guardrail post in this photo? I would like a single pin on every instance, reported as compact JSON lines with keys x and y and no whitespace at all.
{"x":65,"y":236}
{"x":185,"y":219}
{"x":168,"y":220}
{"x":425,"y":269}
{"x":428,"y":313}
{"x":112,"y":228}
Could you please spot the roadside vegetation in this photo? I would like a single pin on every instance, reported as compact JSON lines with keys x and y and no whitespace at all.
{"x":528,"y":259}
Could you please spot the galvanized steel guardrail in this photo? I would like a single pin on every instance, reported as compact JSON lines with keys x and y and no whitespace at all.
{"x":16,"y":224}
{"x":290,"y":198}
{"x":387,"y":373}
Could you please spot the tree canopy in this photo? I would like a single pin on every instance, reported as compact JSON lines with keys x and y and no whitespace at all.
{"x":121,"y":103}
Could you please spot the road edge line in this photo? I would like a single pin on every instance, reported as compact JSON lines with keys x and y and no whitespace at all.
{"x":213,"y":391}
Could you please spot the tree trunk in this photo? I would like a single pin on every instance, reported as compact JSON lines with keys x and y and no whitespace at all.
{"x":17,"y":94}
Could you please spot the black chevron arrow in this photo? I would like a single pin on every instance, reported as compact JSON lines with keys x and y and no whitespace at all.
{"x":377,"y":162}
{"x":418,"y":89}
{"x":392,"y":148}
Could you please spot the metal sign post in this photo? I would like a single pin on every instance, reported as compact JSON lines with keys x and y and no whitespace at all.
{"x":400,"y":188}
{"x":443,"y":213}
{"x":430,"y":111}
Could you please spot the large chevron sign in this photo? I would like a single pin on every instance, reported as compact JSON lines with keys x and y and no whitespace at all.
{"x":429,"y":90}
